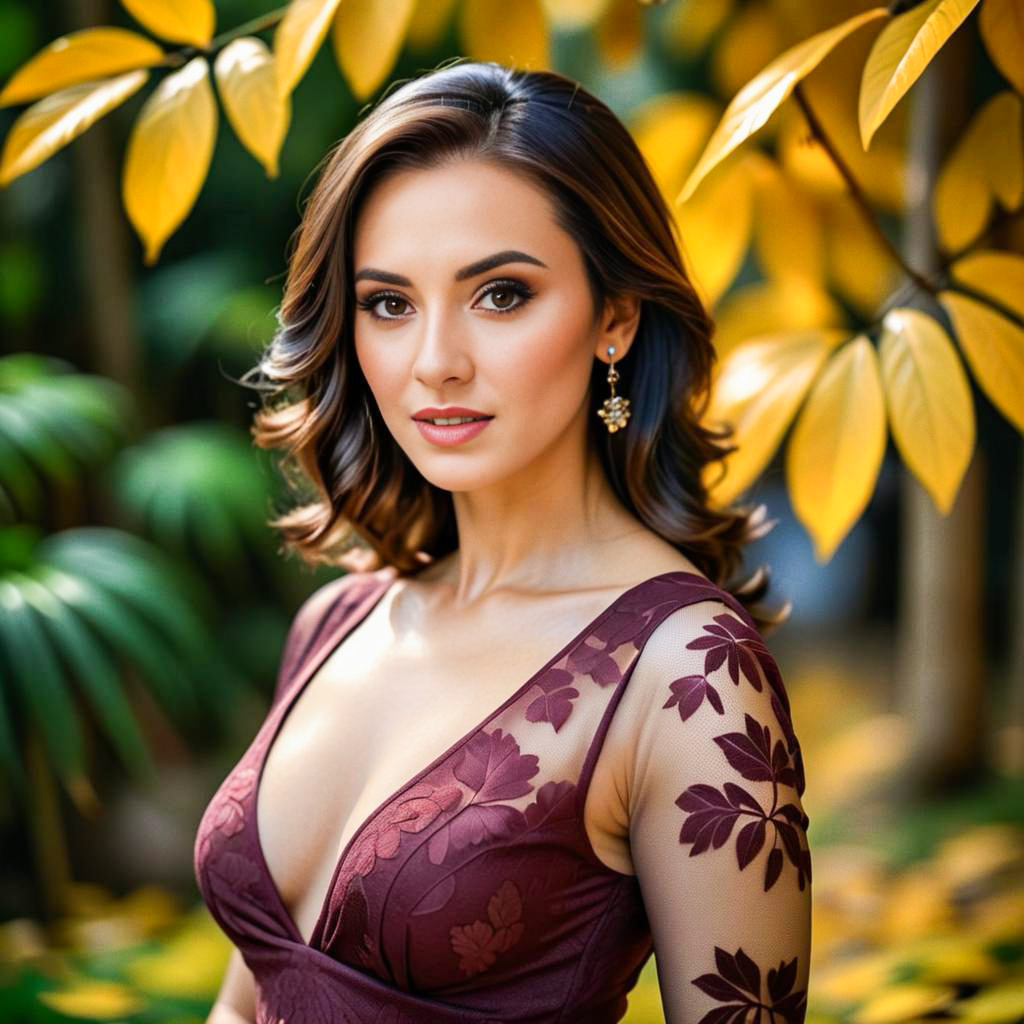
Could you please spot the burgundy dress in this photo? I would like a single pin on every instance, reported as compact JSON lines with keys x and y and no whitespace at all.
{"x":473,"y":893}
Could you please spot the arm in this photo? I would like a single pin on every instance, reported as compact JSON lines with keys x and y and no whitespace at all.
{"x":717,"y":829}
{"x":236,"y":1001}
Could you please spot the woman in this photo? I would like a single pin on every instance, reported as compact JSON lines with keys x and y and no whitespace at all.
{"x":451,"y":827}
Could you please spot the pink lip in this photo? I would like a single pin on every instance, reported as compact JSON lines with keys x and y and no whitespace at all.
{"x":455,"y":433}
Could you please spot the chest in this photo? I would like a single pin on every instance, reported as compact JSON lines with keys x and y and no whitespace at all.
{"x":383,"y":707}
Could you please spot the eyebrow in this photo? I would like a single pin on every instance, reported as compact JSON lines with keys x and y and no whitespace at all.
{"x":472,"y":270}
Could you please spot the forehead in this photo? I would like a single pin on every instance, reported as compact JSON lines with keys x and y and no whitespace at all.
{"x":467,"y":206}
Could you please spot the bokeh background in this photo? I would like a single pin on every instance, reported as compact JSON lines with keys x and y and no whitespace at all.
{"x":143,"y":601}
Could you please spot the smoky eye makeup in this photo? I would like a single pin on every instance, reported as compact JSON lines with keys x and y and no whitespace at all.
{"x":520,"y":289}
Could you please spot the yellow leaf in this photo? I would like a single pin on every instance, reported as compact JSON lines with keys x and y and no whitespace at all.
{"x":95,"y":1000}
{"x":688,"y":27}
{"x":575,"y":15}
{"x":903,"y":49}
{"x":929,"y":401}
{"x":859,"y":265}
{"x":620,"y":33}
{"x":298,"y":37}
{"x":247,"y":81}
{"x":987,"y":163}
{"x":771,"y":306}
{"x":1000,"y":1004}
{"x":367,"y":36}
{"x":998,"y":274}
{"x":169,"y":153}
{"x":757,"y":390}
{"x":760,"y":97}
{"x":1002,"y":29}
{"x":904,"y":1002}
{"x":716,"y":227}
{"x":754,"y":36}
{"x":837,"y":446}
{"x":80,"y":57}
{"x":515,"y":35}
{"x":181,"y":21}
{"x":55,"y":120}
{"x":670,"y":129}
{"x":429,"y":21}
{"x":788,"y":232}
{"x":994,"y":347}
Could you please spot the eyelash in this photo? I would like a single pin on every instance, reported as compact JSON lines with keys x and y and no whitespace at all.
{"x":524,"y":292}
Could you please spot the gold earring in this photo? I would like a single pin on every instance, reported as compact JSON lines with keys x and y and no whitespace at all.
{"x":615,"y":411}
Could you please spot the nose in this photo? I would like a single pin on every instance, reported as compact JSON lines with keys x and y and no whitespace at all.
{"x":442,"y":350}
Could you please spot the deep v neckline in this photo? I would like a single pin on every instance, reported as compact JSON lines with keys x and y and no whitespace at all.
{"x":308,"y":669}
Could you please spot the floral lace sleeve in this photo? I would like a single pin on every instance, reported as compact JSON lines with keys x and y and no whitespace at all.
{"x":717,"y":830}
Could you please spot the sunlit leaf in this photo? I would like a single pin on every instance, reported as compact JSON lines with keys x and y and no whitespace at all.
{"x":515,"y":35}
{"x":52,"y":122}
{"x":905,"y":1002}
{"x":750,"y":40}
{"x":788,"y":233}
{"x":759,"y":98}
{"x":837,"y":446}
{"x":1002,"y":29}
{"x":997,"y":274}
{"x":181,"y":21}
{"x":367,"y":37}
{"x":929,"y":401}
{"x":670,"y":129}
{"x":298,"y":37}
{"x":169,"y":153}
{"x":986,"y":164}
{"x":688,"y":27}
{"x":573,"y":15}
{"x":1001,"y":1004}
{"x":861,"y":269}
{"x":428,"y":24}
{"x":716,"y":227}
{"x":620,"y":33}
{"x":94,"y":1000}
{"x":994,"y":347}
{"x":247,"y":80}
{"x":903,"y":49}
{"x":757,"y":390}
{"x":80,"y":57}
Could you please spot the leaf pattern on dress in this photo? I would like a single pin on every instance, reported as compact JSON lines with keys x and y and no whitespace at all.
{"x":688,"y":694}
{"x":493,"y":769}
{"x":737,"y":984}
{"x":731,"y":642}
{"x":412,"y":812}
{"x":303,"y":994}
{"x":226,"y":811}
{"x":354,"y":924}
{"x":555,"y":704}
{"x":713,"y":813}
{"x":478,"y":944}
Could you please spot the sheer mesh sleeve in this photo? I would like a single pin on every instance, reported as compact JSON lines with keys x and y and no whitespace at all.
{"x":717,"y":830}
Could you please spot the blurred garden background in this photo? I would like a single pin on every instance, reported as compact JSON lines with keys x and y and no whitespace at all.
{"x":848,"y":182}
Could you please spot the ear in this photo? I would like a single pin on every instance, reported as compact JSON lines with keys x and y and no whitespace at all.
{"x":618,"y":326}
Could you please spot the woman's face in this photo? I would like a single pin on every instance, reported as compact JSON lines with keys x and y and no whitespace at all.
{"x":514,"y":339}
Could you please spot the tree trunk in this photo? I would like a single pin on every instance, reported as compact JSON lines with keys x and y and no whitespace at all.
{"x":940,"y":658}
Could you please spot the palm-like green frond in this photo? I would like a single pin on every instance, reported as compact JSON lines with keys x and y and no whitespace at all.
{"x":53,"y":424}
{"x":199,"y":488}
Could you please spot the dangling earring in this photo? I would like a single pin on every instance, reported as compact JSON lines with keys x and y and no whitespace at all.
{"x":615,"y":411}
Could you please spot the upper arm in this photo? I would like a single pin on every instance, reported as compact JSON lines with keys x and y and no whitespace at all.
{"x":717,"y":829}
{"x":236,"y":1000}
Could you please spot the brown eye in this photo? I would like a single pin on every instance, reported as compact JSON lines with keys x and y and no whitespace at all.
{"x":503,"y":297}
{"x":390,"y":302}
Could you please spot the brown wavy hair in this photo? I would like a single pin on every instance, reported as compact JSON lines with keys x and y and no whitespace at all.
{"x":354,"y":486}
